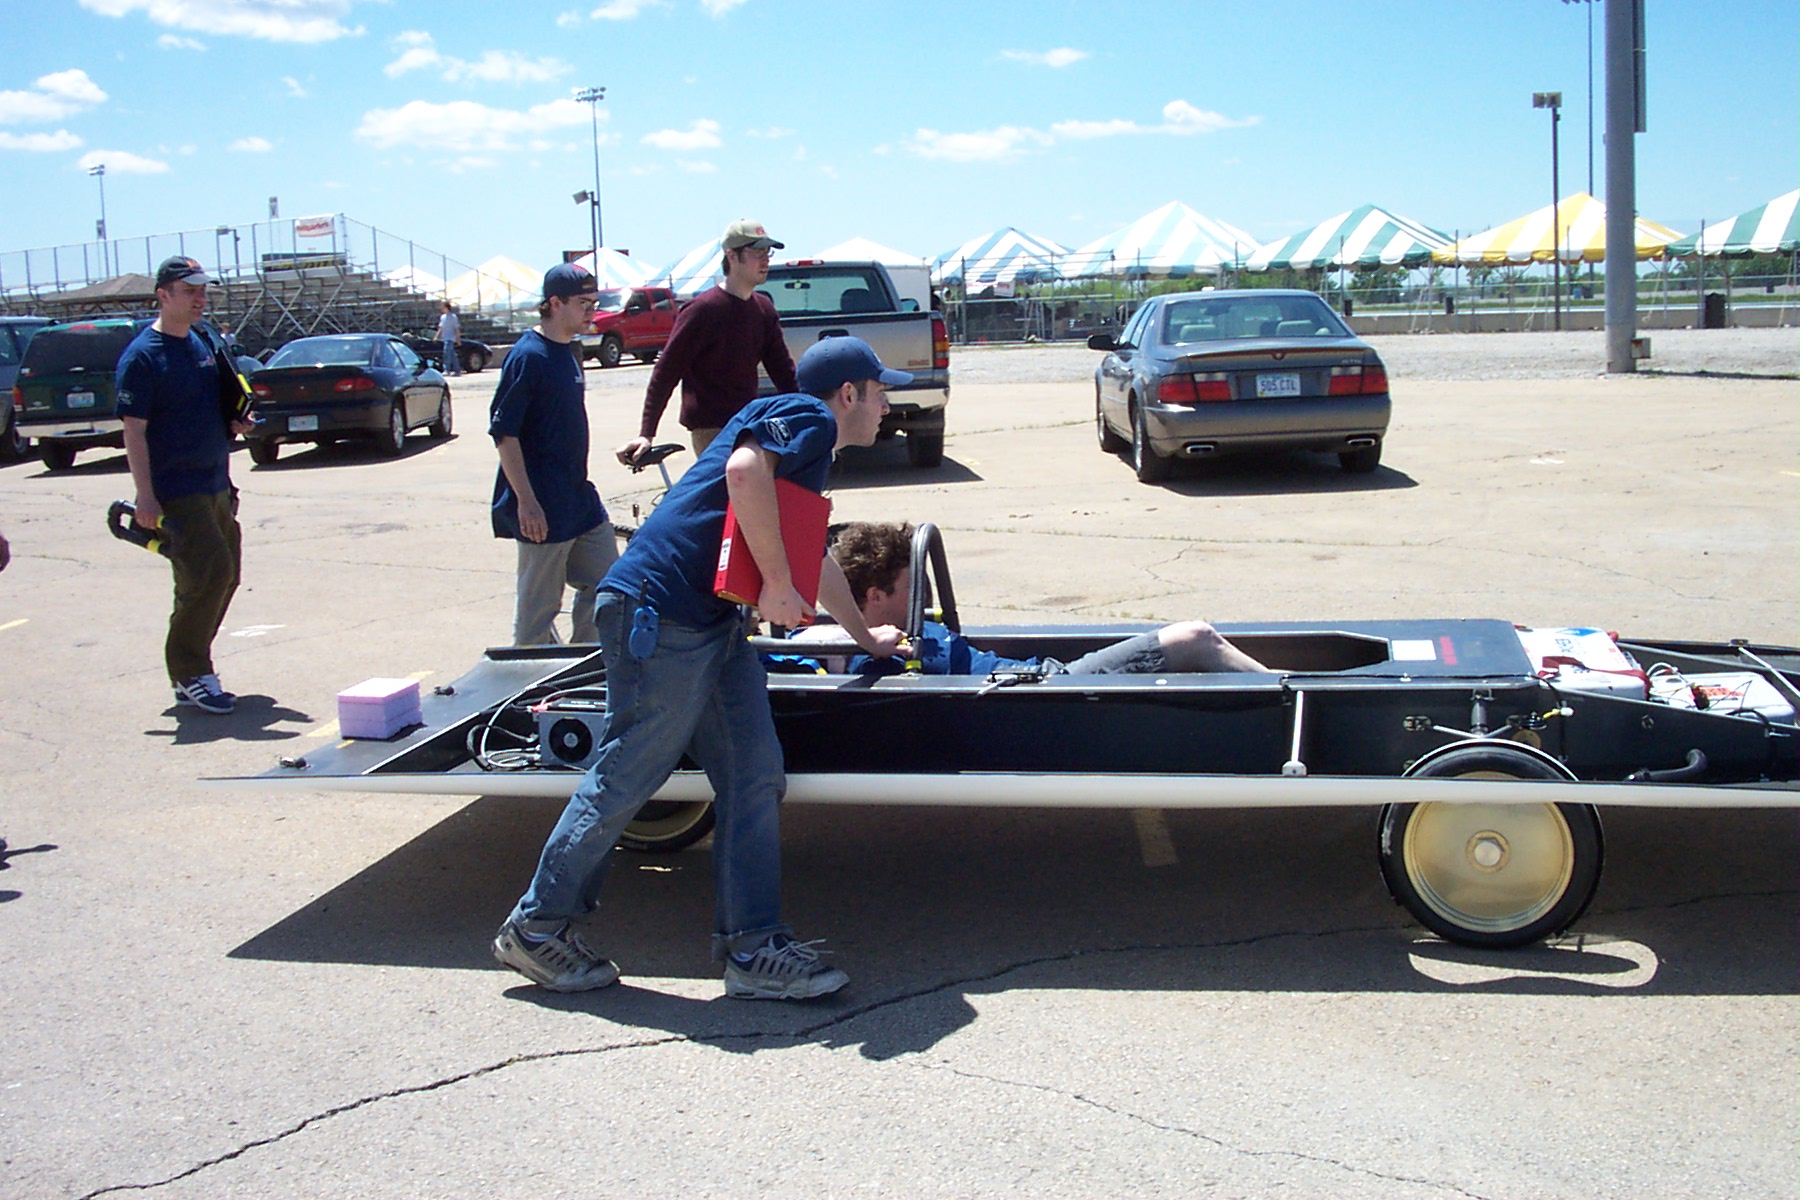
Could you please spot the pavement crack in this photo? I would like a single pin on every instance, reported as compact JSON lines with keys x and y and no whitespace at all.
{"x":1200,"y":1136}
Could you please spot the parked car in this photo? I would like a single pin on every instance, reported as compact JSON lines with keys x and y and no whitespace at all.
{"x":63,"y":395}
{"x":1198,"y":374}
{"x":475,"y":355}
{"x":15,"y":334}
{"x":632,"y":321}
{"x":345,"y":386}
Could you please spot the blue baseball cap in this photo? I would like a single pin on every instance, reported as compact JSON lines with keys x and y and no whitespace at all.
{"x":830,"y":363}
{"x":569,"y":279}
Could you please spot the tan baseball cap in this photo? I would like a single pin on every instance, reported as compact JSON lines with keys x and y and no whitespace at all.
{"x":744,"y":233}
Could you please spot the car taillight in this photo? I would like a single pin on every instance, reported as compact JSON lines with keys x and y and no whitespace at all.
{"x":940,"y":344}
{"x":262,"y":390}
{"x":18,"y":398}
{"x":1359,"y":380}
{"x":1194,"y":389}
{"x":357,"y":383}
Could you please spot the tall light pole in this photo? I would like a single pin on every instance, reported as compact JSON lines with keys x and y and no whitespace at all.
{"x":98,"y":171}
{"x":1553,"y":102}
{"x":592,"y":97}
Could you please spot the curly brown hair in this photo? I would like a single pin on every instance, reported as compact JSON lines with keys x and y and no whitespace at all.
{"x":873,"y":554}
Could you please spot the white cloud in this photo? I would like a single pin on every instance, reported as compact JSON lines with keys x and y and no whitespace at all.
{"x":1010,"y":141}
{"x":773,"y":131}
{"x":40,"y":143}
{"x":988,"y":145}
{"x":53,"y":97}
{"x":719,"y":8}
{"x":567,"y":20}
{"x":1063,"y":56}
{"x":122,"y":162}
{"x":251,"y":145}
{"x":697,"y":168}
{"x":463,"y":125}
{"x":269,"y":20}
{"x":170,"y":41}
{"x":701,"y":135}
{"x":623,"y":10}
{"x":294,"y":88}
{"x":494,"y":66}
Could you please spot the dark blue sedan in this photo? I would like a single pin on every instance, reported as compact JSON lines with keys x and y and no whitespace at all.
{"x":347,"y":386}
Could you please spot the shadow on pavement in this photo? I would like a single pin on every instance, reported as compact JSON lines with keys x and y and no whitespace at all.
{"x":1292,"y":474}
{"x":251,"y":722}
{"x":6,"y":857}
{"x":884,"y":465}
{"x":928,"y":907}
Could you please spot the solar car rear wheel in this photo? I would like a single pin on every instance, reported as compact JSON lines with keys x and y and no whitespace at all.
{"x":1491,"y":875}
{"x":664,"y":826}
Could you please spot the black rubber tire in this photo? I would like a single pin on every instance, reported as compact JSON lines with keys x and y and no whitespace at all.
{"x":262,"y":451}
{"x":664,"y":826}
{"x":446,"y":421}
{"x":474,"y":361}
{"x":925,"y":448}
{"x":1151,"y":467}
{"x":392,"y":441}
{"x":1548,"y":869}
{"x":1110,"y":442}
{"x":1360,"y":462}
{"x":12,"y":444}
{"x":611,"y":351}
{"x":56,"y":456}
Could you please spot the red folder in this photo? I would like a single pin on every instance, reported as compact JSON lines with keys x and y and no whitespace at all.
{"x":804,"y":517}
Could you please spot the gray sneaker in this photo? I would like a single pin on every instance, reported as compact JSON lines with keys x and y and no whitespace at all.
{"x":558,"y":960}
{"x":781,"y":969}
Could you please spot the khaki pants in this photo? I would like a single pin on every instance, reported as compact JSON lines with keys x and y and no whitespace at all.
{"x":546,"y":569}
{"x":702,"y":438}
{"x":206,"y":555}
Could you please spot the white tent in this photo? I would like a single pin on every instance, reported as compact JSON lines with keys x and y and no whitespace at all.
{"x":694,"y":271}
{"x":861,"y":249}
{"x":1173,"y":242}
{"x":500,"y":282}
{"x":617,"y":270}
{"x":415,"y":280}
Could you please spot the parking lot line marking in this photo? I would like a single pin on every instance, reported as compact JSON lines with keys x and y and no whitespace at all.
{"x":1154,"y":842}
{"x":328,"y":730}
{"x":13,"y":624}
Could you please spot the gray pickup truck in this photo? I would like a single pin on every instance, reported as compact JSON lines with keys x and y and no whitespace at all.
{"x":819,"y":299}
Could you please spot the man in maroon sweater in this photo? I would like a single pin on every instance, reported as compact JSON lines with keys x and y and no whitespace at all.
{"x":714,"y":349}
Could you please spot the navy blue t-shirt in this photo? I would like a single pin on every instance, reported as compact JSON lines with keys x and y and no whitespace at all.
{"x":542,"y":400}
{"x":172,"y":383}
{"x":675,"y":557}
{"x":940,"y":652}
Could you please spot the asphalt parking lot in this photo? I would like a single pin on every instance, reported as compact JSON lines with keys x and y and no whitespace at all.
{"x":214,"y":993}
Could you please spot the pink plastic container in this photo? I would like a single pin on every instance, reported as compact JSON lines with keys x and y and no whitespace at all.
{"x":378,"y":708}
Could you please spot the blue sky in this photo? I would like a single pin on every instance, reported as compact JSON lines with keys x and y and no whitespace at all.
{"x":918,"y":125}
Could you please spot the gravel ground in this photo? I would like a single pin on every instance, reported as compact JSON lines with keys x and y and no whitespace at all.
{"x":1763,"y":353}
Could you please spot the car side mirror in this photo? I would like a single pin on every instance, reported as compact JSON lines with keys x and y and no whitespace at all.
{"x":1102,"y":341}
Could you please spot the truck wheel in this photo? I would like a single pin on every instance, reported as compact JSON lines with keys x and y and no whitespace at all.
{"x":1151,"y":467}
{"x":925,"y":448}
{"x":57,"y":456}
{"x":262,"y":451}
{"x":1110,"y":442}
{"x":1491,"y":875}
{"x":611,"y":351}
{"x":664,"y":826}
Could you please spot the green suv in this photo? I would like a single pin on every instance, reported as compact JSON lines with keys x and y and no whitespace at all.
{"x":63,"y":395}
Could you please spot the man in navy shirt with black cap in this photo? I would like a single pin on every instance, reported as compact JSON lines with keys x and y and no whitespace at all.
{"x":178,"y":445}
{"x":682,"y":679}
{"x":542,"y":496}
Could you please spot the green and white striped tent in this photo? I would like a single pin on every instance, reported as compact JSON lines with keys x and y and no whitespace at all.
{"x":1369,"y":236}
{"x":1173,"y":242}
{"x":1772,"y":228}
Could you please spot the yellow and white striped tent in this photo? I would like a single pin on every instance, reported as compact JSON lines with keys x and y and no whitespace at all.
{"x":1581,"y":237}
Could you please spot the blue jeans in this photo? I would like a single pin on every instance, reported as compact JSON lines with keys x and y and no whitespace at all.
{"x":702,"y":692}
{"x":452,"y":362}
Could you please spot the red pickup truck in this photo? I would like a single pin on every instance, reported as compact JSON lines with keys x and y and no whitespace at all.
{"x":633,"y":321}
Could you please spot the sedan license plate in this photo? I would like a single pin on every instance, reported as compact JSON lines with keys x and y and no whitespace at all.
{"x":1287,"y":384}
{"x":81,"y":400}
{"x":303,"y":424}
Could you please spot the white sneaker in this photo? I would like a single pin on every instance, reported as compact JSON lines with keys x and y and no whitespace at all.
{"x":781,"y":969}
{"x":560,"y":961}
